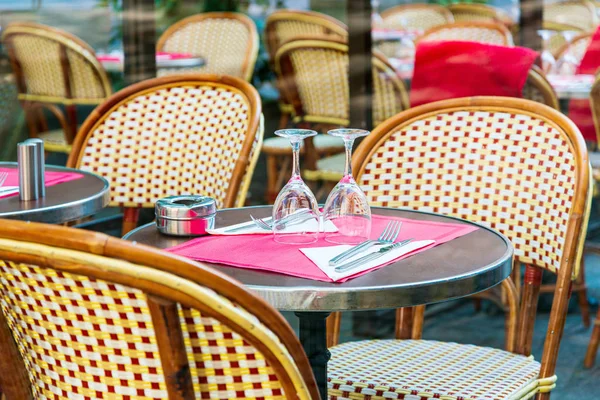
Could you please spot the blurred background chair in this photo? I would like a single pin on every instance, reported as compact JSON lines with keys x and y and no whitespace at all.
{"x":480,"y":13}
{"x":497,"y":185}
{"x":11,"y":118}
{"x":415,"y":16}
{"x":53,"y":69}
{"x":173,"y":135}
{"x":485,"y":32}
{"x":227,"y":41}
{"x":315,"y":73}
{"x":578,"y":13}
{"x":285,"y":25}
{"x":87,"y":315}
{"x":569,"y":56}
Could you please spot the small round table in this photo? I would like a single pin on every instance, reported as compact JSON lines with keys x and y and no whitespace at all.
{"x":461,"y":267}
{"x":63,"y":202}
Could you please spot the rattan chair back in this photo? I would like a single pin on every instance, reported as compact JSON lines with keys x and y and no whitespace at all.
{"x":474,"y":31}
{"x":174,"y":135}
{"x":416,"y":16}
{"x":577,"y":13}
{"x":595,"y":105}
{"x":512,"y":164}
{"x":227,"y":41}
{"x":283,"y":26}
{"x":479,"y":12}
{"x":90,"y":316}
{"x":53,"y":66}
{"x":537,"y":88}
{"x":315,"y":76}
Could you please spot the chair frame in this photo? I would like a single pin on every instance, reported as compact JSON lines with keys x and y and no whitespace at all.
{"x":496,"y":26}
{"x":484,"y":10}
{"x":34,"y":104}
{"x":576,"y":228}
{"x":167,"y":280}
{"x":244,"y":164}
{"x":251,"y":51}
{"x":538,"y":79}
{"x":565,"y":47}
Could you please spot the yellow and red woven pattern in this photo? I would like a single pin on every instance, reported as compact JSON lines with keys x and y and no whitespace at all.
{"x":170,"y":140}
{"x":79,"y":337}
{"x":513,"y":172}
{"x":223,"y":364}
{"x":421,"y":370}
{"x":223,"y":42}
{"x":468,"y":33}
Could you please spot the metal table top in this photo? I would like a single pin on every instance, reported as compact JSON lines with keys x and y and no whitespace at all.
{"x":63,"y":202}
{"x":458,"y":268}
{"x":572,"y":87}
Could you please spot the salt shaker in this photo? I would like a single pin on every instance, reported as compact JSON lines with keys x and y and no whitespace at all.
{"x":40,"y":165}
{"x":28,"y":171}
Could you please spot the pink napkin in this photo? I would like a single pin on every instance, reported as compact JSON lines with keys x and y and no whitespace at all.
{"x":249,"y":251}
{"x":51,"y":178}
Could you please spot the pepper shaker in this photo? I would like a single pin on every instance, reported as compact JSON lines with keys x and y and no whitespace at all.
{"x":40,"y":165}
{"x":28,"y":171}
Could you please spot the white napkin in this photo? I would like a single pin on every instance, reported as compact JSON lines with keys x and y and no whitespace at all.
{"x":320,"y":256}
{"x":4,"y":190}
{"x":251,"y":229}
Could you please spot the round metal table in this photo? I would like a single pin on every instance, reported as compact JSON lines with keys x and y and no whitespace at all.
{"x":63,"y":202}
{"x":458,"y":268}
{"x":189,"y":62}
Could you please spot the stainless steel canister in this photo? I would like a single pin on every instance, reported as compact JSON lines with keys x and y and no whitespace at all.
{"x":40,"y":165}
{"x":28,"y":171}
{"x":185,"y":215}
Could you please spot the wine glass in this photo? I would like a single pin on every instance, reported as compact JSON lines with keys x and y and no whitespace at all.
{"x":295,"y":198}
{"x":346,"y":206}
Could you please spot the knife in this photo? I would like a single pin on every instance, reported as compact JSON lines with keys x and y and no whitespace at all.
{"x":370,"y":257}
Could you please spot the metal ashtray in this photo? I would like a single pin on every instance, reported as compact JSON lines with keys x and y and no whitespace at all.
{"x":185,"y":215}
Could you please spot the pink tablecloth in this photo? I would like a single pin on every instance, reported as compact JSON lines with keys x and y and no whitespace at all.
{"x":51,"y":178}
{"x":118,"y":57}
{"x":263,"y":253}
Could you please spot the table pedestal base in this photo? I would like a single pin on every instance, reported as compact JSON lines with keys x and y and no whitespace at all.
{"x":313,"y":336}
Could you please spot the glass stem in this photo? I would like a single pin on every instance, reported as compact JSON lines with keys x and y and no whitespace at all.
{"x":348,"y":143}
{"x":295,"y":159}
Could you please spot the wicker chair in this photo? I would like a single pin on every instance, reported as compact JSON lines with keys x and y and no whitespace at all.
{"x":479,"y":12}
{"x":578,"y":13}
{"x":416,"y":16}
{"x":227,"y":41}
{"x":537,"y":88}
{"x":576,"y":50}
{"x":178,"y":134}
{"x":515,"y":165}
{"x":85,"y":315}
{"x":485,"y":32}
{"x":285,"y":25}
{"x":54,"y":68}
{"x":315,"y":73}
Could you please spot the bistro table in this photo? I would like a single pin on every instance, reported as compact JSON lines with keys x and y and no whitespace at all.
{"x":63,"y":202}
{"x":572,"y":86}
{"x":458,"y":268}
{"x":113,"y":62}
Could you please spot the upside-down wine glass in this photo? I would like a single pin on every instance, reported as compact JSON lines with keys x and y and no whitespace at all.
{"x":296,"y":198}
{"x":346,"y":206}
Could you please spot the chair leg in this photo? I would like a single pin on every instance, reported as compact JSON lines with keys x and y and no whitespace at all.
{"x":418,"y":320}
{"x":581,"y":290}
{"x":130,"y":219}
{"x":404,"y":322}
{"x":284,"y":120}
{"x":477,"y":304}
{"x":333,"y":328}
{"x":590,"y":355}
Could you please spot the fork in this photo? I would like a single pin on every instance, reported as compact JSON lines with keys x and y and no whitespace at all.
{"x":292,"y":219}
{"x":388,"y":236}
{"x":266,"y":225}
{"x":3,"y":176}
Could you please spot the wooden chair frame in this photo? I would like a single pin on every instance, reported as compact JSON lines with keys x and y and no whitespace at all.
{"x":244,"y":166}
{"x":167,"y":280}
{"x":565,"y":48}
{"x":34,"y":103}
{"x":575,"y":229}
{"x":537,"y":79}
{"x":508,"y":39}
{"x":251,"y":50}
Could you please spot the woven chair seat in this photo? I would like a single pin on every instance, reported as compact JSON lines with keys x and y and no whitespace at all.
{"x":323,"y":144}
{"x":55,"y":141}
{"x":424,"y":369}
